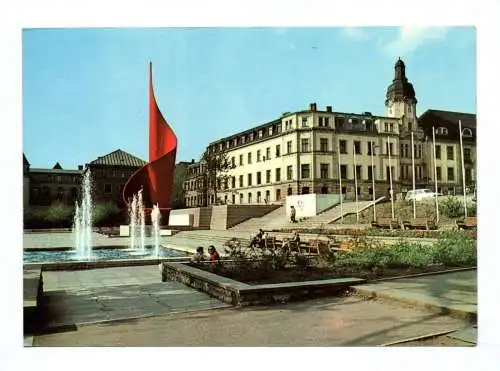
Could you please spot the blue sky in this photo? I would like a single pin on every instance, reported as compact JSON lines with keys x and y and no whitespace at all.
{"x":85,"y":91}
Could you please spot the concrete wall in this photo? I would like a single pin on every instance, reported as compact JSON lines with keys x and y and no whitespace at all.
{"x":201,"y":216}
{"x":227,"y":216}
{"x":310,"y":204}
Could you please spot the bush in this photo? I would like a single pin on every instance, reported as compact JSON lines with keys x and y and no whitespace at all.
{"x":101,"y":213}
{"x":451,"y":207}
{"x":59,"y":215}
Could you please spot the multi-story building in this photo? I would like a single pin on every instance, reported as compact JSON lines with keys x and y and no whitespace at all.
{"x":310,"y":151}
{"x":110,"y":173}
{"x":194,"y":185}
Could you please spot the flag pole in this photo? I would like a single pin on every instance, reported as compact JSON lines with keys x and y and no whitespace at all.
{"x":390,"y":178}
{"x":340,"y":187}
{"x":413,"y":176}
{"x":373,"y":184}
{"x":435,"y":173}
{"x":355,"y":182}
{"x":463,"y":166}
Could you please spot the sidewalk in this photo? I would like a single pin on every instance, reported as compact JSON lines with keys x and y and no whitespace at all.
{"x":454,"y":294}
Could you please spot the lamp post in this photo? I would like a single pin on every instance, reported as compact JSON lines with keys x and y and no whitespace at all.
{"x":463,"y":167}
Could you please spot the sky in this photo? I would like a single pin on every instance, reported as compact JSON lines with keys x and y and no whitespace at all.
{"x":85,"y":91}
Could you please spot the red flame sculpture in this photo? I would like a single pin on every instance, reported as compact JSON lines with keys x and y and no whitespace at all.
{"x":156,"y":178}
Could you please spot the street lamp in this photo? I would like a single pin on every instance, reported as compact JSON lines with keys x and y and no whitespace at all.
{"x":373,"y":180}
{"x":390,"y":178}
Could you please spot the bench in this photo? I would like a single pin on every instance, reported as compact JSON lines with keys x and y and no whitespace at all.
{"x":316,"y":245}
{"x":386,"y":223}
{"x":420,"y":223}
{"x":468,"y":222}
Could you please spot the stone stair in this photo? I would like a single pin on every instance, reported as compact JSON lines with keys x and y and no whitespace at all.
{"x":205,"y":238}
{"x":334,"y":214}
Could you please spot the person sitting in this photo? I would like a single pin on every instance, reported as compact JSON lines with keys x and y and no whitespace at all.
{"x":213,"y":254}
{"x":294,"y":241}
{"x":258,"y":240}
{"x":199,"y":255}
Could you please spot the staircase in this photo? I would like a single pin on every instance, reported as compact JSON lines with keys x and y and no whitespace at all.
{"x":334,"y":214}
{"x":273,"y":220}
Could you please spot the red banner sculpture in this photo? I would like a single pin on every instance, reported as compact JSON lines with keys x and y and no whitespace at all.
{"x":157,"y":177}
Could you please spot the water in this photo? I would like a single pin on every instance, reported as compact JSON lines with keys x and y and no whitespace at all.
{"x":99,"y":254}
{"x":142,"y":223}
{"x":82,"y":223}
{"x":133,"y":223}
{"x":137,"y":225}
{"x":155,"y":220}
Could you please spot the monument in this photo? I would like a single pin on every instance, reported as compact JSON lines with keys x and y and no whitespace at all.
{"x":157,"y":176}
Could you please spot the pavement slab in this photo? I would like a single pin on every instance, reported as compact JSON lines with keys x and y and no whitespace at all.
{"x":345,"y":321}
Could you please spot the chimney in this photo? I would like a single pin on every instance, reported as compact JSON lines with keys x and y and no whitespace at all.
{"x":312,"y":107}
{"x":80,"y":167}
{"x":328,"y":108}
{"x":192,"y":161}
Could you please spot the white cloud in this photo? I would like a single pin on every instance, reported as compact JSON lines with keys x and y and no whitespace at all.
{"x":354,"y":33}
{"x":409,"y":38}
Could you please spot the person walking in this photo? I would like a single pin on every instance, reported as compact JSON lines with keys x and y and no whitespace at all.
{"x":292,"y":214}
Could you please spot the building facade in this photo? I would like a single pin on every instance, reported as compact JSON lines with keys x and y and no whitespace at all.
{"x":314,"y":150}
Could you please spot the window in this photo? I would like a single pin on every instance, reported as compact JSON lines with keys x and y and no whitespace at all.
{"x":358,"y":172}
{"x":305,"y":190}
{"x":304,"y":122}
{"x":252,"y":136}
{"x":467,"y":157}
{"x":268,"y":196}
{"x":226,"y":183}
{"x":259,"y":180}
{"x":241,"y":198}
{"x":438,"y":151}
{"x":259,"y":200}
{"x":451,"y":174}
{"x":438,"y":173}
{"x":358,"y":191}
{"x":278,"y":154}
{"x":357,"y":147}
{"x":323,"y":170}
{"x":241,"y":180}
{"x":233,"y":161}
{"x":268,"y":153}
{"x":249,"y":159}
{"x":270,"y":130}
{"x":449,"y":152}
{"x":261,"y":133}
{"x":304,"y":144}
{"x":370,"y":191}
{"x":409,"y":109}
{"x":401,"y":150}
{"x":391,"y":127}
{"x":467,"y":132}
{"x":326,"y":122}
{"x":324,"y":190}
{"x":258,"y":156}
{"x":389,"y":148}
{"x":289,"y":146}
{"x":107,"y":188}
{"x":268,"y":176}
{"x":320,"y":121}
{"x":249,"y":180}
{"x":343,"y":146}
{"x":233,"y":182}
{"x":278,"y":175}
{"x":305,"y":171}
{"x":289,"y":172}
{"x":371,"y":171}
{"x":233,"y":199}
{"x":442,"y":131}
{"x":371,"y":147}
{"x":289,"y":191}
{"x":343,"y":171}
{"x":249,"y":197}
{"x":278,"y":194}
{"x":410,"y":125}
{"x":241,"y":160}
{"x":323,"y":144}
{"x":344,"y":190}
{"x":468,"y":175}
{"x":386,"y":126}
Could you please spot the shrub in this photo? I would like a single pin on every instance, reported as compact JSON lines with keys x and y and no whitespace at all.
{"x":101,"y":213}
{"x":59,"y":215}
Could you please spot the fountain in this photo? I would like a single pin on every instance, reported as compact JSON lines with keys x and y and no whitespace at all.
{"x":82,"y":226}
{"x":133,"y":223}
{"x":137,"y":225}
{"x":142,"y":223}
{"x":155,"y":221}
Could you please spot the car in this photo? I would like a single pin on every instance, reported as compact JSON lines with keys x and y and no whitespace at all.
{"x":420,"y":194}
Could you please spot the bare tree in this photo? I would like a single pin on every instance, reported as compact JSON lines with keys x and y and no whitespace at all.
{"x":216,"y":166}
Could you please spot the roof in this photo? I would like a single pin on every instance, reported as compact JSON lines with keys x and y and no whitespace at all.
{"x":468,"y":119}
{"x":55,"y":171}
{"x":57,"y":166}
{"x":25,"y":160}
{"x":119,"y":158}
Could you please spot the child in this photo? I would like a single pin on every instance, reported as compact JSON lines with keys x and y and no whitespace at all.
{"x":199,"y":256}
{"x":214,"y":255}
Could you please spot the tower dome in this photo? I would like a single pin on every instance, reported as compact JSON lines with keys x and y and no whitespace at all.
{"x":400,"y":89}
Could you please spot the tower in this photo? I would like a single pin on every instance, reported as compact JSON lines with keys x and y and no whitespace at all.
{"x":400,"y":98}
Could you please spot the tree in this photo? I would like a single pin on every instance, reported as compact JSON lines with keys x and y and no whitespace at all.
{"x":216,"y":166}
{"x":59,"y":214}
{"x":178,"y":190}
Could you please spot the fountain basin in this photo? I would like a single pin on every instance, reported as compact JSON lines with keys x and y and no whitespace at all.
{"x":99,"y":254}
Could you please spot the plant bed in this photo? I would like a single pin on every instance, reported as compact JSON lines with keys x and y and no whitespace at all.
{"x":291,"y":274}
